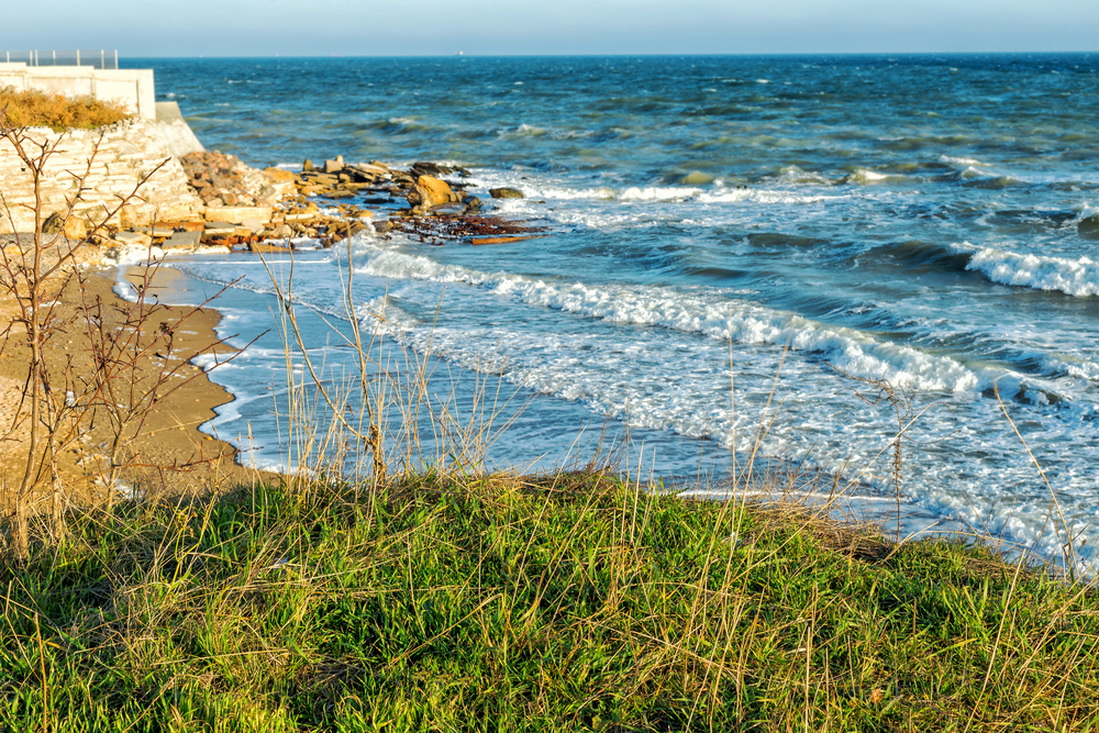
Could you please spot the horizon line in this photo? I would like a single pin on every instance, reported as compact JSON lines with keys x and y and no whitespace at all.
{"x":462,"y":54}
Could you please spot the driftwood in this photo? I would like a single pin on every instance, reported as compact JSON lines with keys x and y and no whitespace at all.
{"x":504,"y":240}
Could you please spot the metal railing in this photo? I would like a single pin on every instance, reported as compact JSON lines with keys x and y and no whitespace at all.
{"x":100,"y":59}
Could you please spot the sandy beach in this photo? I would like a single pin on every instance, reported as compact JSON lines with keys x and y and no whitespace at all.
{"x":163,"y":451}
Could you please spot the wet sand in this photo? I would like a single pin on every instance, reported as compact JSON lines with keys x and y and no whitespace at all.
{"x":161,"y":450}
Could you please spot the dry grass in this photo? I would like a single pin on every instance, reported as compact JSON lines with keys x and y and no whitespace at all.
{"x":57,"y":111}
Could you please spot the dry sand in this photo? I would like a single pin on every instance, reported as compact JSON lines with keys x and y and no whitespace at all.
{"x":161,"y":452}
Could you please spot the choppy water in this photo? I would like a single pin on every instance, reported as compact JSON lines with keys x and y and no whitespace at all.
{"x":931,"y":222}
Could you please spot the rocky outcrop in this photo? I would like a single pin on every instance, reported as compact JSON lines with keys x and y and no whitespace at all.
{"x":223,"y":180}
{"x":212,"y":198}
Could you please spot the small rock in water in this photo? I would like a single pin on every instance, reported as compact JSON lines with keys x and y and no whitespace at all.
{"x":506,"y":193}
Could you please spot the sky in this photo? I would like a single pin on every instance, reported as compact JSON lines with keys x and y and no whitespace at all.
{"x":505,"y":27}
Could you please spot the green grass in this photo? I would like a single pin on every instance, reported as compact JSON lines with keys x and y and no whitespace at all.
{"x":572,"y":602}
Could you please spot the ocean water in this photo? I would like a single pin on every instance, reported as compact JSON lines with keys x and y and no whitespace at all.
{"x":742,"y":253}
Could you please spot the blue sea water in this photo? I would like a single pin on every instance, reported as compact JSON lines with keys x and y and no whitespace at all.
{"x":741,"y":252}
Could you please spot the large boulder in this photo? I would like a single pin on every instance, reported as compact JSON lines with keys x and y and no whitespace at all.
{"x":429,"y":192}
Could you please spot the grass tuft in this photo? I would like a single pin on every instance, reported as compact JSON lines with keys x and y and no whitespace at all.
{"x":34,"y":108}
{"x":567,"y":602}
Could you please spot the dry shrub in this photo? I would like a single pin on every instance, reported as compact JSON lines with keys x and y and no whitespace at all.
{"x":58,"y":112}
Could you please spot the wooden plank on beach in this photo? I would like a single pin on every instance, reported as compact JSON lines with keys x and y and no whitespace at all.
{"x":504,"y":240}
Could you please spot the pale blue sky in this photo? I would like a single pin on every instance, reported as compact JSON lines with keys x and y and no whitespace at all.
{"x":485,"y":27}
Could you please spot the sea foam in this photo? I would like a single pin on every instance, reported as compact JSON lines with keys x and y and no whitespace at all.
{"x":1078,"y":277}
{"x":701,"y":311}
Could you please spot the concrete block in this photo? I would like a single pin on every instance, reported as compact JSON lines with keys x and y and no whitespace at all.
{"x":182,"y":240}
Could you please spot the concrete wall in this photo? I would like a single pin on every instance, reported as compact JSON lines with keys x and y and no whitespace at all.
{"x":118,"y":156}
{"x":135,"y":88}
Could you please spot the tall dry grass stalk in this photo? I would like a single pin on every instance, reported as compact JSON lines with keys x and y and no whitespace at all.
{"x":367,"y":417}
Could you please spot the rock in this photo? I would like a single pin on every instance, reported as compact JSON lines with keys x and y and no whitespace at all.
{"x":282,"y":231}
{"x":307,"y":166}
{"x":77,"y":228}
{"x":324,"y":179}
{"x":506,"y":193}
{"x":279,"y":175}
{"x":369,"y":172}
{"x":53,"y":224}
{"x":425,"y":168}
{"x":221,"y":179}
{"x":333,"y":166}
{"x":455,"y":209}
{"x":430,"y":191}
{"x":186,"y":226}
{"x":250,"y":217}
{"x":183,"y":240}
{"x":160,"y":232}
{"x":132,"y":238}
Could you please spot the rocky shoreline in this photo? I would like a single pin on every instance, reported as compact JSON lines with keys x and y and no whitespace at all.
{"x":275,"y":209}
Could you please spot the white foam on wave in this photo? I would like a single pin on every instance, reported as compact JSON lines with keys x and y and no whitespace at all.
{"x":719,"y":192}
{"x":795,"y":174}
{"x":657,"y":193}
{"x":762,"y":196}
{"x":1078,"y":277}
{"x":867,"y":177}
{"x":523,"y":130}
{"x":959,"y":162}
{"x":708,"y":312}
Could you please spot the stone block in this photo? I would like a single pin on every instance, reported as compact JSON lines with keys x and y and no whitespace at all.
{"x":132,"y":238}
{"x":254,"y":218}
{"x":182,"y":240}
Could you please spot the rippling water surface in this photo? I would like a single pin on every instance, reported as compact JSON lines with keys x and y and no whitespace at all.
{"x":815,"y":222}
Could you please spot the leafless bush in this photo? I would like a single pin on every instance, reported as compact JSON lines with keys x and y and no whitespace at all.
{"x":103,"y":380}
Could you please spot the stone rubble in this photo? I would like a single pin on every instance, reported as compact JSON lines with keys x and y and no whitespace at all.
{"x":271,"y":210}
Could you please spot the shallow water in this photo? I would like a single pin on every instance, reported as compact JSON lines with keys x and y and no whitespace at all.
{"x":823,"y":225}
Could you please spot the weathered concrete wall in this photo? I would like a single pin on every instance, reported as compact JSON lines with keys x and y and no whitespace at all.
{"x":135,"y":88}
{"x":177,"y":134}
{"x":119,"y":157}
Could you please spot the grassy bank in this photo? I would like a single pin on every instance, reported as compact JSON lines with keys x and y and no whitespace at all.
{"x":574,"y":602}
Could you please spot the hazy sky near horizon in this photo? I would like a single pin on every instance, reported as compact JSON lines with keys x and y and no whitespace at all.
{"x":490,"y":27}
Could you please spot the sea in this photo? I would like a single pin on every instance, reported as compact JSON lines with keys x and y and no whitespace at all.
{"x":867,"y":276}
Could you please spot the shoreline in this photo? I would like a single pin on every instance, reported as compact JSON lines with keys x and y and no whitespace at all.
{"x":168,"y":454}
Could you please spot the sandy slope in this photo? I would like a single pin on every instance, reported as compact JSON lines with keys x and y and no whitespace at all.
{"x":164,"y":451}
